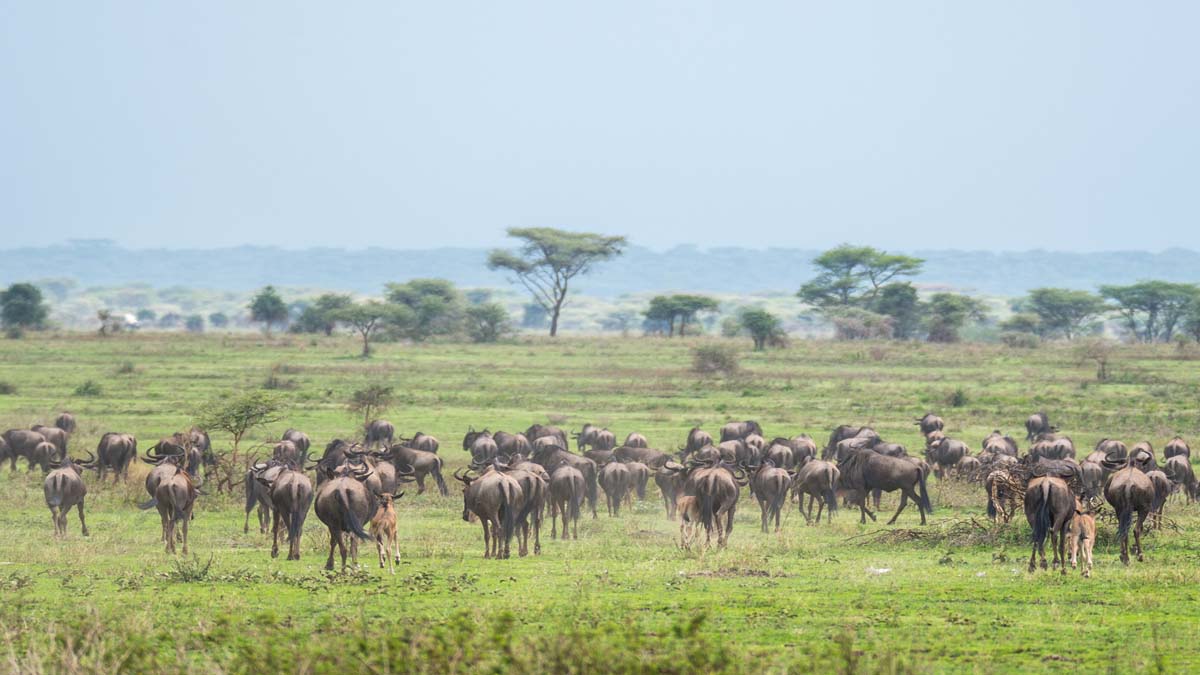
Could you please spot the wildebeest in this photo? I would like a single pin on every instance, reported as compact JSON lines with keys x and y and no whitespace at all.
{"x":1107,"y":448}
{"x":496,"y":499}
{"x":845,"y":432}
{"x":615,"y":480}
{"x":1000,"y":444}
{"x":423,"y":464}
{"x":1081,"y":534}
{"x":66,"y":422}
{"x":600,"y":457}
{"x":648,"y":456}
{"x":669,"y":479}
{"x":258,"y":485}
{"x":804,"y":448}
{"x":1002,"y":491}
{"x":481,"y":445}
{"x":1091,"y":475}
{"x":740,"y":430}
{"x":967,"y":468}
{"x":165,"y":466}
{"x":689,"y":520}
{"x":115,"y":452}
{"x":1177,"y":447}
{"x":780,"y":453}
{"x":514,"y":444}
{"x":1038,"y":424}
{"x":291,"y":495}
{"x":1179,"y":470}
{"x":769,"y":485}
{"x":639,"y":476}
{"x":287,"y":451}
{"x":383,"y":530}
{"x":378,"y":432}
{"x":1052,"y":446}
{"x":567,"y":491}
{"x":21,"y":443}
{"x":717,"y":488}
{"x":344,"y":504}
{"x":944,"y":454}
{"x":585,"y":436}
{"x":63,"y":489}
{"x":697,"y":438}
{"x":635,"y":440}
{"x":866,"y":470}
{"x":299,"y":439}
{"x":175,"y":497}
{"x":1129,"y":491}
{"x":536,"y":431}
{"x":53,"y":435}
{"x":423,"y":441}
{"x":46,"y":454}
{"x":551,"y":457}
{"x":1162,"y":489}
{"x":818,"y":479}
{"x":1049,"y":507}
{"x":930,"y":423}
{"x":534,"y":487}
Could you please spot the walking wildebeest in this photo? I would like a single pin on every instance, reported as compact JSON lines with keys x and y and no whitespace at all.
{"x":669,"y":479}
{"x":866,"y":470}
{"x":689,"y":520}
{"x":769,"y":485}
{"x":818,"y":479}
{"x":175,"y":497}
{"x":1049,"y":507}
{"x":648,"y":456}
{"x":1038,"y":424}
{"x":496,"y":499}
{"x":1128,"y":491}
{"x":422,"y":441}
{"x":1180,"y":471}
{"x":383,"y":529}
{"x":1001,"y":444}
{"x":615,"y":480}
{"x":481,"y":445}
{"x":115,"y":452}
{"x":1177,"y":447}
{"x":379,"y":431}
{"x":21,"y":443}
{"x":635,"y":440}
{"x":930,"y":423}
{"x":64,"y":488}
{"x":1082,"y":534}
{"x":551,"y":457}
{"x":291,"y":495}
{"x":258,"y":482}
{"x":567,"y":491}
{"x":344,"y":504}
{"x":697,"y":438}
{"x":66,"y":422}
{"x":423,"y":463}
{"x":298,"y":438}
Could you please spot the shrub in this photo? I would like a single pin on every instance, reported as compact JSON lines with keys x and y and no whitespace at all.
{"x":715,"y":359}
{"x":488,"y":322}
{"x":7,"y":388}
{"x":859,"y":324}
{"x":1020,"y":340}
{"x":274,"y":382}
{"x":957,"y":398}
{"x":89,"y":388}
{"x":126,"y":368}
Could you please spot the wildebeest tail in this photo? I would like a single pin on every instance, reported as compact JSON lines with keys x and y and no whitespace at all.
{"x":641,"y":489}
{"x":251,"y":484}
{"x":779,"y":498}
{"x":350,"y":521}
{"x":706,"y":510}
{"x":991,"y":507}
{"x":923,"y":493}
{"x":1125,"y":518}
{"x":56,"y":491}
{"x":830,"y":494}
{"x":299,"y":510}
{"x":437,"y":476}
{"x":508,"y":514}
{"x":153,"y":502}
{"x":1041,"y":520}
{"x":576,"y":501}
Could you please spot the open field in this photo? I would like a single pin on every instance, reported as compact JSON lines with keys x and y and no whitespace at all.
{"x":622,"y":597}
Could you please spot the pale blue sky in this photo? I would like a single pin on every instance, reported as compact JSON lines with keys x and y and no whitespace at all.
{"x":1004,"y":125}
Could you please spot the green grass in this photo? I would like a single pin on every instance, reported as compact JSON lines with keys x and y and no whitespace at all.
{"x":622,"y":597}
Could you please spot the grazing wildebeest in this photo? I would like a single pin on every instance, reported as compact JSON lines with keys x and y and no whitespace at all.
{"x":383,"y":529}
{"x":344,"y":504}
{"x":737,"y":452}
{"x":769,"y":485}
{"x":423,"y":441}
{"x":845,"y":432}
{"x":258,"y":492}
{"x":604,"y":440}
{"x":165,"y":466}
{"x":381,"y":432}
{"x":1142,"y":456}
{"x":552,"y":457}
{"x":21,"y":443}
{"x":1082,"y":534}
{"x":615,"y":480}
{"x":1091,"y":475}
{"x":635,"y":440}
{"x":1049,"y":507}
{"x":648,"y":456}
{"x":63,"y":489}
{"x":1038,"y":424}
{"x":669,"y":479}
{"x":175,"y":497}
{"x":1179,"y":470}
{"x":288,"y":452}
{"x":780,"y":453}
{"x":740,"y":430}
{"x":639,"y":476}
{"x":66,"y":422}
{"x":496,"y":500}
{"x":930,"y":423}
{"x":1177,"y":447}
{"x":481,"y":445}
{"x":298,"y":438}
{"x":866,"y":470}
{"x":291,"y":494}
{"x":585,"y":436}
{"x":697,"y":438}
{"x":53,"y":435}
{"x":116,"y":452}
{"x":536,"y":431}
{"x":1128,"y":491}
{"x":944,"y":454}
{"x":513,"y":444}
{"x":423,"y":463}
{"x":967,"y":468}
{"x":804,"y":448}
{"x":818,"y":479}
{"x":598,"y":456}
{"x":1000,"y":444}
{"x":567,"y":491}
{"x":46,"y":454}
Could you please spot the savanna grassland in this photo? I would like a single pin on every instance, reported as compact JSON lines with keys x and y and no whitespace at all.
{"x":951,"y":597}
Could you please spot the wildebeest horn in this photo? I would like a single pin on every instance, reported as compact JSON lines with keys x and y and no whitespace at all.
{"x":405,"y":470}
{"x":464,"y":478}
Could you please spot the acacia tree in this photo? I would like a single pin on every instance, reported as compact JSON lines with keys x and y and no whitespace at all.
{"x":1152,"y":309}
{"x":548,"y":259}
{"x":762,"y":326}
{"x":318,"y":317}
{"x":268,"y":308}
{"x":679,"y":307}
{"x":21,"y":308}
{"x":237,"y":415}
{"x":487,"y":322}
{"x":370,"y":402}
{"x":948,"y":312}
{"x":1062,"y":310}
{"x":434,"y":308}
{"x":368,"y":318}
{"x":853,"y":275}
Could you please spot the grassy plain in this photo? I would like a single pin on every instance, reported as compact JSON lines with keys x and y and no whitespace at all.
{"x":622,"y":597}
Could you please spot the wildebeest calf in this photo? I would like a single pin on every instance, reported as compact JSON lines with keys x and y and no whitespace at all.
{"x":383,"y":529}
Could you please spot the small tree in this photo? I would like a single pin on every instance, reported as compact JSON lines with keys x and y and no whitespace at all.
{"x":370,"y":402}
{"x":899,"y":301}
{"x":21,"y":308}
{"x":1062,"y":310}
{"x":146,"y":315}
{"x":110,"y":323}
{"x":218,"y":320}
{"x":268,"y":308}
{"x":948,"y":312}
{"x":368,"y":318}
{"x":236,"y":415}
{"x":853,"y":275}
{"x":1098,"y":350}
{"x":678,"y":308}
{"x":319,"y":316}
{"x":434,"y":307}
{"x":194,"y":323}
{"x":762,"y":326}
{"x":549,"y":259}
{"x":487,"y":322}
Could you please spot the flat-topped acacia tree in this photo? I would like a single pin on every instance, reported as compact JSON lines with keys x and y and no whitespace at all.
{"x":548,"y":259}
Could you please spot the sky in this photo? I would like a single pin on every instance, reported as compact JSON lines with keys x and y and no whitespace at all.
{"x":906,"y":125}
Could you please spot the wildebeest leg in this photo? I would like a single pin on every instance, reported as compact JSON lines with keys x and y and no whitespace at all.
{"x":54,"y":519}
{"x":187,"y":518}
{"x":876,"y":496}
{"x":729,"y":523}
{"x":341,"y":544}
{"x":537,"y":533}
{"x":1042,"y":553}
{"x":169,"y":533}
{"x":1087,"y":556}
{"x":82,"y":522}
{"x":379,"y":549}
{"x":766,"y":514}
{"x":1061,"y":551}
{"x":421,"y":484}
{"x":275,"y":534}
{"x":396,"y":547}
{"x":1033,"y":557}
{"x":808,"y":514}
{"x":523,"y":542}
{"x":1073,"y":544}
{"x":1137,"y":537}
{"x":353,"y":550}
{"x":903,"y":503}
{"x":554,"y":520}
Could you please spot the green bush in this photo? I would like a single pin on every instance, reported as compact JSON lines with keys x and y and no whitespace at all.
{"x":715,"y":360}
{"x":7,"y":388}
{"x":89,"y":388}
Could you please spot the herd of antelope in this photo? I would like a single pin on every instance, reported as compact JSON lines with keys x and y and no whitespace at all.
{"x":513,"y":480}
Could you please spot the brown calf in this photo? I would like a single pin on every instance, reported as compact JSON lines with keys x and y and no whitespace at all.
{"x":689,"y":520}
{"x":383,"y":530}
{"x":1082,"y":532}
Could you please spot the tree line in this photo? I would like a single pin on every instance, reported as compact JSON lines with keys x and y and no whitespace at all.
{"x":861,"y":291}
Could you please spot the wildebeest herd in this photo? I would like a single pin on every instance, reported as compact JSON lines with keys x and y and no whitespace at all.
{"x":515,"y":479}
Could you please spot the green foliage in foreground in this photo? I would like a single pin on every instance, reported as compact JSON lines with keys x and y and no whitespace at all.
{"x":847,"y":598}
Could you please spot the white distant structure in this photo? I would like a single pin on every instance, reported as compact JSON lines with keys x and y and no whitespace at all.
{"x":131,"y":322}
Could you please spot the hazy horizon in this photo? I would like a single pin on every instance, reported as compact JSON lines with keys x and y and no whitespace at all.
{"x":917,"y":126}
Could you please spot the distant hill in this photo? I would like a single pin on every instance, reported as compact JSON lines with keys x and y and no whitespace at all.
{"x":93,"y":263}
